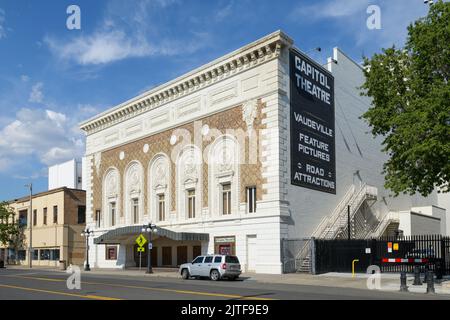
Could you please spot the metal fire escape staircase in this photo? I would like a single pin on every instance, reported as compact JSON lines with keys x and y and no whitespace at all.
{"x":335,"y":226}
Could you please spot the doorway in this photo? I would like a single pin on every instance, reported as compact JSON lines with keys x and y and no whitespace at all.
{"x":196,"y":251}
{"x":182,"y":256}
{"x":251,"y":253}
{"x":143,"y":257}
{"x":167,"y":256}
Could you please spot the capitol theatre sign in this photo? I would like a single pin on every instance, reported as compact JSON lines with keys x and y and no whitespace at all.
{"x":313,"y":156}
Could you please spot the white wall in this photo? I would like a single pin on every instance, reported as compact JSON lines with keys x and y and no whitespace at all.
{"x":421,"y":221}
{"x":65,"y":174}
{"x":444,"y":202}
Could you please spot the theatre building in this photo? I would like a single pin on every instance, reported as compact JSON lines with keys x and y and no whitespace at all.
{"x":259,"y":146}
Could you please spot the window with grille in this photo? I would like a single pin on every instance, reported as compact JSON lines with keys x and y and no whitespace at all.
{"x":226,"y":199}
{"x":162,"y":207}
{"x":191,"y":203}
{"x":251,"y":199}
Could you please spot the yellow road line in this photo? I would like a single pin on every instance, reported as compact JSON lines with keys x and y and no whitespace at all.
{"x":59,"y":293}
{"x":201,"y":293}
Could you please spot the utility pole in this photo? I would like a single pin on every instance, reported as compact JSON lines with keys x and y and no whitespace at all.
{"x":30,"y":222}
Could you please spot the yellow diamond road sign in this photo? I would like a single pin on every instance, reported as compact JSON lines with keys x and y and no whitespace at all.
{"x":141,"y":241}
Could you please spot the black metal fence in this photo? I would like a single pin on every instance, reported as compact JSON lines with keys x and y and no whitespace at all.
{"x":294,"y":251}
{"x":391,"y":254}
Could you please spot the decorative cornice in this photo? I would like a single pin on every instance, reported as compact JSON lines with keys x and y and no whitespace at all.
{"x":261,"y":51}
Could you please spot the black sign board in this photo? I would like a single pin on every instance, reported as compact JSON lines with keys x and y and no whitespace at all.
{"x":313,"y":159}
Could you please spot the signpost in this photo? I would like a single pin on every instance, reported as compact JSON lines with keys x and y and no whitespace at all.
{"x":141,"y":241}
{"x":313,"y":159}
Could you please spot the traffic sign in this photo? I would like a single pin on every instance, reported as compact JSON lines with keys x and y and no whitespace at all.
{"x":150,"y":246}
{"x":141,"y":249}
{"x":141,"y":241}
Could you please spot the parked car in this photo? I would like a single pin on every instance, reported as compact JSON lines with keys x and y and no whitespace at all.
{"x":215,"y":267}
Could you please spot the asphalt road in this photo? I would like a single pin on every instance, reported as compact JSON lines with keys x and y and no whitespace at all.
{"x":48,"y":285}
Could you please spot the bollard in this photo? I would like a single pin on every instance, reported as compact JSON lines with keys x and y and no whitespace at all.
{"x":403,"y":286}
{"x":438,"y":270}
{"x":417,"y":281}
{"x":430,"y":282}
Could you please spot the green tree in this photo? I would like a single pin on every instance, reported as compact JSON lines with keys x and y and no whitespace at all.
{"x":411,"y":105}
{"x":11,"y":233}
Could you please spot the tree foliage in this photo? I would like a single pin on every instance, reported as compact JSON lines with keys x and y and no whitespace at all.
{"x":9,"y":226}
{"x":411,"y":105}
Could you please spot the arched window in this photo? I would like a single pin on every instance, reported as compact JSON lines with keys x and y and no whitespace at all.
{"x":189,"y":186}
{"x":134,"y":189}
{"x":224,"y":176}
{"x":111,"y":198}
{"x":159,"y":188}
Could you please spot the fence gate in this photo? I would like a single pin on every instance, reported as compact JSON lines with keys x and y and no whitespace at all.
{"x":390,"y":254}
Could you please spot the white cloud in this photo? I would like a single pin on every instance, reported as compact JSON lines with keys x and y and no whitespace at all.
{"x":331,"y":9}
{"x":24,"y":78}
{"x":123,"y":34}
{"x":36,"y":94}
{"x":99,"y":48}
{"x":43,"y":134}
{"x":351,"y":16}
{"x":224,"y":12}
{"x":2,"y":22}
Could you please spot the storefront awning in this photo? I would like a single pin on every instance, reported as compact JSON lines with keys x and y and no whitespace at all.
{"x":116,"y":235}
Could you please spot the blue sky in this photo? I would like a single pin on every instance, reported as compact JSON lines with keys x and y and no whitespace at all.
{"x":52,"y":78}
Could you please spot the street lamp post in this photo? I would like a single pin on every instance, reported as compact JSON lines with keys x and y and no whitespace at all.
{"x":30,"y":222}
{"x":86,"y":233}
{"x":150,"y":228}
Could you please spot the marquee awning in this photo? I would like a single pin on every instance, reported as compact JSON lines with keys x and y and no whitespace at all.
{"x":116,"y":235}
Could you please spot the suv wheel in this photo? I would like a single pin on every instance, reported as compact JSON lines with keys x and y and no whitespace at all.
{"x":214,"y":275}
{"x":185,"y":274}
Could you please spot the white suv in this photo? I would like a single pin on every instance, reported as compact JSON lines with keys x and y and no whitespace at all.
{"x":215,"y":267}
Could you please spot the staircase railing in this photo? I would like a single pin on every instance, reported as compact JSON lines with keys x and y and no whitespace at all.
{"x":332,"y":225}
{"x":331,"y":219}
{"x":302,"y":254}
{"x":366,"y":192}
{"x":388,"y":218}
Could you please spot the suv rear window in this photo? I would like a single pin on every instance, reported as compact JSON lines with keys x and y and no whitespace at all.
{"x":231,"y":259}
{"x":218,"y":259}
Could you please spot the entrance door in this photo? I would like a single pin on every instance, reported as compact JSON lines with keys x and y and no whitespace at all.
{"x":143,"y":257}
{"x":196,"y":251}
{"x":167,"y":256}
{"x":155,"y":256}
{"x":181,"y":255}
{"x":251,"y":253}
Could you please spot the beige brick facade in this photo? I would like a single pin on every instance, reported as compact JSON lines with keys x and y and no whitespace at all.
{"x":60,"y":232}
{"x":232,"y":119}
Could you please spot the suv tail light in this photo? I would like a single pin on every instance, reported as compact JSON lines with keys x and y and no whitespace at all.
{"x":224,"y":266}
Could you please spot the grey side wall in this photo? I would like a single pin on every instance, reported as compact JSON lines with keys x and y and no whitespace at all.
{"x":359,"y":158}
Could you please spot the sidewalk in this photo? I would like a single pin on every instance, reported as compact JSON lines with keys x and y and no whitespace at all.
{"x":389,"y":282}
